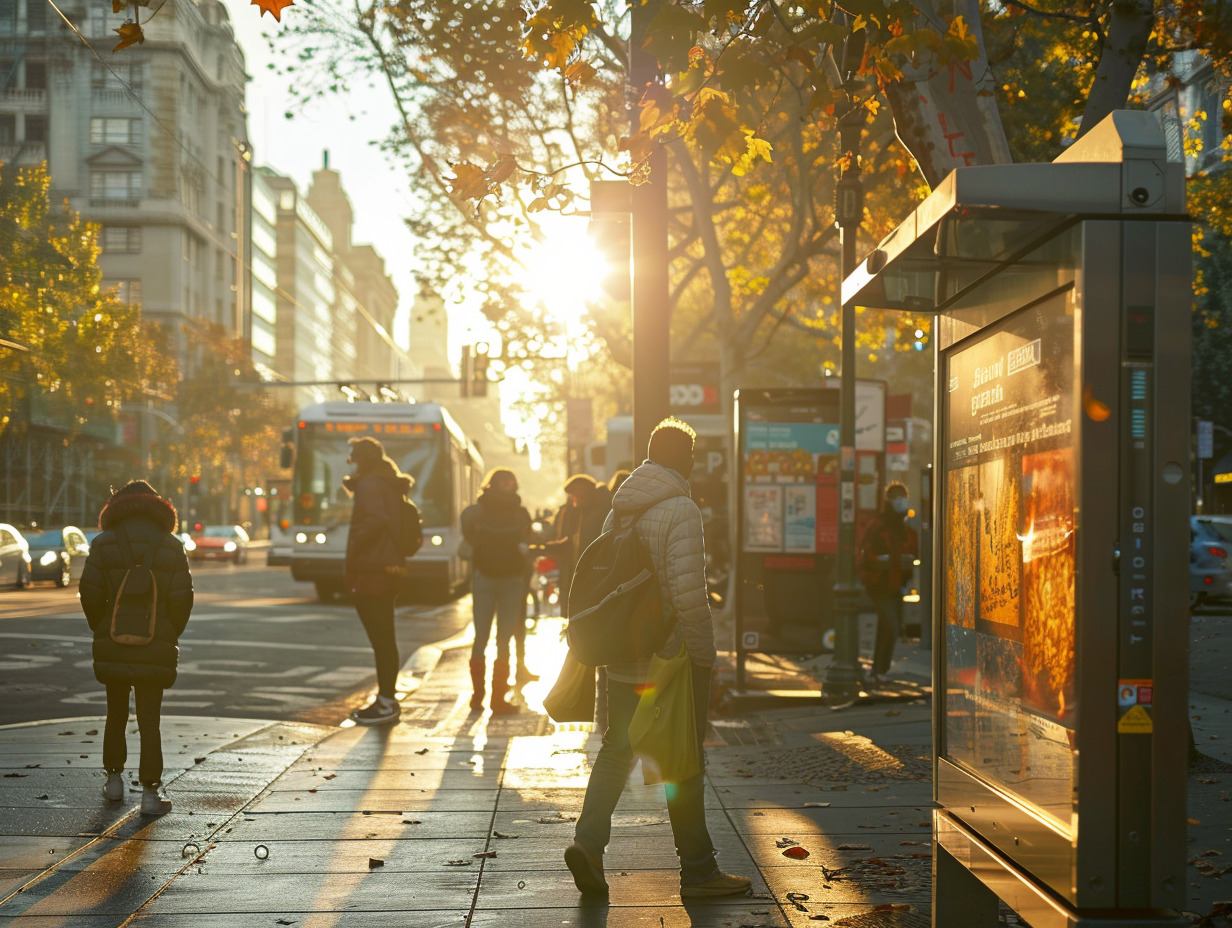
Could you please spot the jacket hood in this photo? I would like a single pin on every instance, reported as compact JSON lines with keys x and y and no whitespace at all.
{"x":149,"y":506}
{"x":649,"y":484}
{"x":501,"y":499}
{"x":383,"y":468}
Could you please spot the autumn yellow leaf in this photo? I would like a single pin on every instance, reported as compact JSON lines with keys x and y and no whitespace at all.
{"x":469,"y":181}
{"x":130,"y":34}
{"x":580,"y":73}
{"x":118,"y":5}
{"x":502,"y":170}
{"x":273,"y":7}
{"x":755,"y":148}
{"x":639,"y":146}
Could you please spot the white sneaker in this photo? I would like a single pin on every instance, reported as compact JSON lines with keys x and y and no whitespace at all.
{"x":382,"y":711}
{"x":152,"y":803}
{"x":113,"y":789}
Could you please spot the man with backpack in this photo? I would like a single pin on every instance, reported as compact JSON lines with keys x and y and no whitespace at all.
{"x":498,"y":529}
{"x":136,"y":592}
{"x":655,"y":499}
{"x":382,"y":530}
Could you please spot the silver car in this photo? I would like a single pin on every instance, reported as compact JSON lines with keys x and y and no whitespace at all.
{"x":1210,"y":558}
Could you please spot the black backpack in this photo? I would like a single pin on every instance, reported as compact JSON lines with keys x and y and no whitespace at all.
{"x":615,"y":608}
{"x":134,"y":611}
{"x":410,"y":528}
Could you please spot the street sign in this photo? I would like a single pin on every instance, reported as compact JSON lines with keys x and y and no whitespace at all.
{"x":1206,"y":439}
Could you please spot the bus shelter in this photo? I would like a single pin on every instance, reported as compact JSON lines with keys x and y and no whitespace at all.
{"x":1061,"y":297}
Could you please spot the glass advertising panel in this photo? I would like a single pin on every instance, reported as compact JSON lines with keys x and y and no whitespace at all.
{"x":1008,"y":459}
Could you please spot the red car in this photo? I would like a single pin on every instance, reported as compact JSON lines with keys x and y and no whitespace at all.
{"x":220,"y":543}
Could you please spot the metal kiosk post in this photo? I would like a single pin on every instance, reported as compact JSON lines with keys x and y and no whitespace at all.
{"x":1062,"y":301}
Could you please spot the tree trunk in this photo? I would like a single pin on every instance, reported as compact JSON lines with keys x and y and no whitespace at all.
{"x":946,"y":115}
{"x":1129,"y":28}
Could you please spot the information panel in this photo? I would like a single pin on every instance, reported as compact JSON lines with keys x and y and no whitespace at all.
{"x":1008,"y":454}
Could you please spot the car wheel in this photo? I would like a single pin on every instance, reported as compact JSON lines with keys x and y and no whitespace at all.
{"x":65,"y":578}
{"x":1196,"y":599}
{"x":23,"y":577}
{"x":326,"y":592}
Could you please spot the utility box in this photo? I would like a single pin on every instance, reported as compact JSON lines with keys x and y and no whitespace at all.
{"x":1062,"y":301}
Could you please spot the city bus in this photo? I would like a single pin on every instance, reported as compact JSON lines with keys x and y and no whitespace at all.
{"x":425,"y":442}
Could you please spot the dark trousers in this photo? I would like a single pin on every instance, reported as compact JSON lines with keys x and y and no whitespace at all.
{"x":889,"y":627}
{"x":149,"y":701}
{"x":685,"y":801}
{"x":377,"y":614}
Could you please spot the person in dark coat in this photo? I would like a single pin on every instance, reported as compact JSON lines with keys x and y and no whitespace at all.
{"x":886,"y":559}
{"x":580,"y":522}
{"x":498,"y":529}
{"x":137,"y":525}
{"x":375,"y":568}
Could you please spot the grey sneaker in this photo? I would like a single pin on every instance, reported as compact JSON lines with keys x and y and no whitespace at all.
{"x":113,"y":789}
{"x":721,"y":884}
{"x":587,"y":870}
{"x":382,"y":711}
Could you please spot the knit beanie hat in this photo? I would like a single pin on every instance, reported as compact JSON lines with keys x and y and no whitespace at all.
{"x":365,"y":451}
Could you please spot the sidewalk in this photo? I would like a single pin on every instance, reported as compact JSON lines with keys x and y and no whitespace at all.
{"x":450,"y":818}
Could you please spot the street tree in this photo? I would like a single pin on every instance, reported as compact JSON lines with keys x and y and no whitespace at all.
{"x":72,"y":354}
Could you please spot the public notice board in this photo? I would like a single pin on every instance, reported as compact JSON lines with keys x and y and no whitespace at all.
{"x":1008,"y":453}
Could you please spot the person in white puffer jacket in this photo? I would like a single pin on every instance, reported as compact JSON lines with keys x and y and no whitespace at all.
{"x":656,"y":496}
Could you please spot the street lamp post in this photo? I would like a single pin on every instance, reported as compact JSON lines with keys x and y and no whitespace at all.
{"x":843,"y":678}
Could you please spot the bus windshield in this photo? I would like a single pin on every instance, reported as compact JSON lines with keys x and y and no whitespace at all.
{"x":321,"y":463}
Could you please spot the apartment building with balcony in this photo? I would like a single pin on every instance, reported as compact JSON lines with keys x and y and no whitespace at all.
{"x":148,"y":142}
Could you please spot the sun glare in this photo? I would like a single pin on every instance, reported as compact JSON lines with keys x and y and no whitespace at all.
{"x":564,"y":272}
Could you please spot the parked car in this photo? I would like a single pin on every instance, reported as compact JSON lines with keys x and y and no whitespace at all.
{"x":14,"y":557}
{"x":1210,"y":558}
{"x":221,"y":543}
{"x":57,"y":554}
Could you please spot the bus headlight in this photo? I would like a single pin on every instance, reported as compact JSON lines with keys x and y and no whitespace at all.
{"x":301,"y":538}
{"x":437,"y":540}
{"x":49,"y":558}
{"x":320,"y":538}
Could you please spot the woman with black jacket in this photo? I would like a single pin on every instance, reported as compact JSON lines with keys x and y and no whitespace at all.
{"x":137,"y":525}
{"x":375,"y":568}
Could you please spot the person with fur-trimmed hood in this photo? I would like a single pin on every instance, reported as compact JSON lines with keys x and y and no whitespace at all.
{"x":137,"y":525}
{"x":375,"y":567}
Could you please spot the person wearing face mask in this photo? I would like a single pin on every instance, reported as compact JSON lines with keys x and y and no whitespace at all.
{"x":887,"y":552}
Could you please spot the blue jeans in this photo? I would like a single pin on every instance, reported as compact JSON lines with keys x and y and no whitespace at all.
{"x":685,"y":801}
{"x":504,"y":597}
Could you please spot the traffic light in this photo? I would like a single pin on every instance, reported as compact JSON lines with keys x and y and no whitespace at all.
{"x":467,"y":371}
{"x":479,"y":370}
{"x":921,"y":339}
{"x":612,"y":238}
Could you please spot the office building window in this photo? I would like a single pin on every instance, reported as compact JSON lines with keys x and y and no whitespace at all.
{"x":113,"y":184}
{"x":36,"y":73}
{"x":121,"y":240}
{"x":111,"y":131}
{"x":126,"y":291}
{"x":36,"y":128}
{"x":117,"y":77}
{"x":36,"y":17}
{"x":8,"y":128}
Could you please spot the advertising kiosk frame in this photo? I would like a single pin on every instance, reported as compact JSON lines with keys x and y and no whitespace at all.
{"x":1062,"y":298}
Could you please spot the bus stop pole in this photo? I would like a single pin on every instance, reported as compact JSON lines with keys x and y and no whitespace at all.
{"x":843,"y":677}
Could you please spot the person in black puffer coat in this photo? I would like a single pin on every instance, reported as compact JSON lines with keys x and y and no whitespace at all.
{"x":375,"y":569}
{"x":147,"y":523}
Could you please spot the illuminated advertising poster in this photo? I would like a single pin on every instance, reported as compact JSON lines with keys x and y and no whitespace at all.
{"x":786,"y":462}
{"x":1008,"y":574}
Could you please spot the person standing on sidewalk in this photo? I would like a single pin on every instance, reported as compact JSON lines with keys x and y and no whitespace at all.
{"x":498,"y":529}
{"x":887,"y":554}
{"x":375,"y":568}
{"x":656,"y":498}
{"x":138,"y":527}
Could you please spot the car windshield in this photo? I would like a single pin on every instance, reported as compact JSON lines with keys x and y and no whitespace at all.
{"x":218,"y":531}
{"x":45,"y":539}
{"x":1221,"y":529}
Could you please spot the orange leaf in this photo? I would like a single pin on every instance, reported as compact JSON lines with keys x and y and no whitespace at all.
{"x":117,"y":5}
{"x":796,"y":853}
{"x":273,"y":7}
{"x":502,"y":170}
{"x":469,"y":181}
{"x":130,"y":34}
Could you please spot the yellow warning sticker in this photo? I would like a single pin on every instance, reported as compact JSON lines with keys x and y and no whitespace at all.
{"x":1137,"y":721}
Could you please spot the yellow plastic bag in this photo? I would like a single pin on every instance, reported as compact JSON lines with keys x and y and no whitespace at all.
{"x":572,"y":697}
{"x":663,"y":731}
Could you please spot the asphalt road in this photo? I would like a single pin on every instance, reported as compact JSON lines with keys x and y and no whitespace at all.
{"x":258,"y":645}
